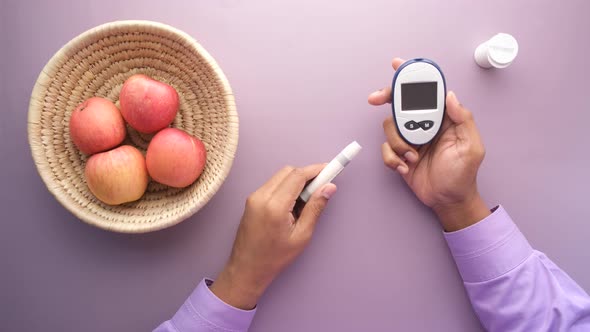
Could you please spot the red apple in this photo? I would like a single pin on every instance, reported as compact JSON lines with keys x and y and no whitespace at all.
{"x":148,"y":105}
{"x":96,"y":125}
{"x":117,"y":176}
{"x":175,"y":158}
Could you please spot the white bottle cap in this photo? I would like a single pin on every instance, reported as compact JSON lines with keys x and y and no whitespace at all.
{"x":497,"y":52}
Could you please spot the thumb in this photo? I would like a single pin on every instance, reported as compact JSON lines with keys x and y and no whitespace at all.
{"x":315,"y":205}
{"x":380,"y":97}
{"x":457,"y":113}
{"x":466,"y":129}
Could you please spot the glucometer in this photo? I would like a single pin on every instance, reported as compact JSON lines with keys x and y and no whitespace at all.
{"x":418,"y":94}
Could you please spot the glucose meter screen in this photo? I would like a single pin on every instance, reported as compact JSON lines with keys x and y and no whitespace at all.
{"x":418,"y":96}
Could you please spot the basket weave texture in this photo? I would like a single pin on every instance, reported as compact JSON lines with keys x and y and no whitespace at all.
{"x":96,"y":63}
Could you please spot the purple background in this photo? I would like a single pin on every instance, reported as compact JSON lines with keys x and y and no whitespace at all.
{"x":301,"y":72}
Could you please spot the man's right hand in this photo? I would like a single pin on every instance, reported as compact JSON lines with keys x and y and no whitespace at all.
{"x":442,"y":173}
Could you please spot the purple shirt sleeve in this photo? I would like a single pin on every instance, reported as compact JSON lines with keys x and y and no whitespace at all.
{"x":511,"y":286}
{"x":203,"y":311}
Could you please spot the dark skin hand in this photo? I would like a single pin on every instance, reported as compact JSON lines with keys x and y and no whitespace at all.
{"x":275,"y":229}
{"x":270,"y":235}
{"x":442,"y":173}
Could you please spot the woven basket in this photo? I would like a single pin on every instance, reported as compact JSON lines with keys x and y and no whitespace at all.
{"x":96,"y":63}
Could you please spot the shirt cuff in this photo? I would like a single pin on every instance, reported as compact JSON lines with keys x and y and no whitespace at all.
{"x":489,"y":248}
{"x":204,"y":307}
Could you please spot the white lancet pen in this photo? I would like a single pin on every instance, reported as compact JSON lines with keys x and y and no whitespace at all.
{"x":331,"y":170}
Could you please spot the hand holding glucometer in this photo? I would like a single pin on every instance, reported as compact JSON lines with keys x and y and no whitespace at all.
{"x":418,"y":93}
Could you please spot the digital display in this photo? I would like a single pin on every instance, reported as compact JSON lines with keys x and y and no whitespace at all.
{"x":419,"y":96}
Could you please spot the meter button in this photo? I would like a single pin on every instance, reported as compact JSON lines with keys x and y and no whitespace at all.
{"x":426,"y":125}
{"x":411,"y":125}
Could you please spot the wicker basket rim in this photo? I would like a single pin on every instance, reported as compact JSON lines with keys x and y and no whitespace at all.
{"x":36,"y":107}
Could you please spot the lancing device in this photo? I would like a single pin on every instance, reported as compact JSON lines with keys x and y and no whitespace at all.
{"x":331,"y":170}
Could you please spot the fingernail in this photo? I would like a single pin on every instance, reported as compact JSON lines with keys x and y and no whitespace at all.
{"x":454,"y":98}
{"x":411,"y":156}
{"x":328,"y":191}
{"x":402,"y":169}
{"x":376,"y":93}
